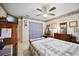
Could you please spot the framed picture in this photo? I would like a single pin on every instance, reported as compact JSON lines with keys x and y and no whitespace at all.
{"x":76,"y":29}
{"x":25,"y":23}
{"x":63,"y":27}
{"x":73,"y":24}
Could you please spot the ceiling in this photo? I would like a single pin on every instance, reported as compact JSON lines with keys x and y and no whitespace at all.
{"x":29,"y":9}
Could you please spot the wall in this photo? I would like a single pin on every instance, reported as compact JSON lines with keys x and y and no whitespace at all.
{"x":23,"y":38}
{"x":23,"y":35}
{"x":20,"y":52}
{"x":55,"y":24}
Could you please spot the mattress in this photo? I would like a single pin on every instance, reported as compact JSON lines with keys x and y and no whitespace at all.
{"x":55,"y":47}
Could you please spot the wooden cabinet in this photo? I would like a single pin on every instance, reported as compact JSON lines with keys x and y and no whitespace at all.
{"x":61,"y":36}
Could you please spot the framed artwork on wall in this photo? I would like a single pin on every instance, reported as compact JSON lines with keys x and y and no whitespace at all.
{"x":25,"y":23}
{"x":76,"y":29}
{"x":73,"y":24}
{"x":63,"y":27}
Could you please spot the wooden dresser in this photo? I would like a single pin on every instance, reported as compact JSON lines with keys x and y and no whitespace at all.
{"x":61,"y":36}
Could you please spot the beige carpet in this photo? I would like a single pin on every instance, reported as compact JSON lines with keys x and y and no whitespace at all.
{"x":27,"y":53}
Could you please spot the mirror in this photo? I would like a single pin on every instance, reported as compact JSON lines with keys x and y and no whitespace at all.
{"x":63,"y":27}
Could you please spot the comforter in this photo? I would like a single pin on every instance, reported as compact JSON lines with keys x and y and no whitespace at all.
{"x":55,"y":47}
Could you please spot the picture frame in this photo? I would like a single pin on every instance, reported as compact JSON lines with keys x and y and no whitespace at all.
{"x":25,"y":23}
{"x":73,"y":24}
{"x":76,"y":29}
{"x":63,"y":27}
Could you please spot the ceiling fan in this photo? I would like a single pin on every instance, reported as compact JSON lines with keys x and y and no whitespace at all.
{"x":45,"y":11}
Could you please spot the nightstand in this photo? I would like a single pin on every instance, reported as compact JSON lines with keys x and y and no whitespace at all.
{"x":46,"y":36}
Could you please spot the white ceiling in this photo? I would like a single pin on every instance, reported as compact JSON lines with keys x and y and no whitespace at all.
{"x":29,"y":9}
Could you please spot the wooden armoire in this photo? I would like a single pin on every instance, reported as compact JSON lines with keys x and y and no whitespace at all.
{"x":13,"y":39}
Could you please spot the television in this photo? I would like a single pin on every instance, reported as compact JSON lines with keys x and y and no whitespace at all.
{"x":12,"y":19}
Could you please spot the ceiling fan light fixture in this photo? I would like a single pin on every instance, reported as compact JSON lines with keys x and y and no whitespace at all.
{"x":45,"y":15}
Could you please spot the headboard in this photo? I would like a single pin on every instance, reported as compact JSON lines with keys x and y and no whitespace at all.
{"x":61,"y":36}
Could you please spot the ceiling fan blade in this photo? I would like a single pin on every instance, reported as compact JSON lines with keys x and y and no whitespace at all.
{"x":53,"y":8}
{"x":52,"y":14}
{"x":39,"y":9}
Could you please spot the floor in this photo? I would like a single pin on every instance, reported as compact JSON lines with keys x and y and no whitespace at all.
{"x":27,"y":53}
{"x":6,"y":51}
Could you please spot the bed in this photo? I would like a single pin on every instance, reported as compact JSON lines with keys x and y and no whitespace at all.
{"x":53,"y":47}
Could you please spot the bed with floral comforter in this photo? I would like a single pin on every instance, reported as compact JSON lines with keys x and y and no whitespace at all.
{"x":54,"y":47}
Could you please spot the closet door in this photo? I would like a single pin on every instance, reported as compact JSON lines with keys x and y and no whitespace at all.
{"x":35,"y":30}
